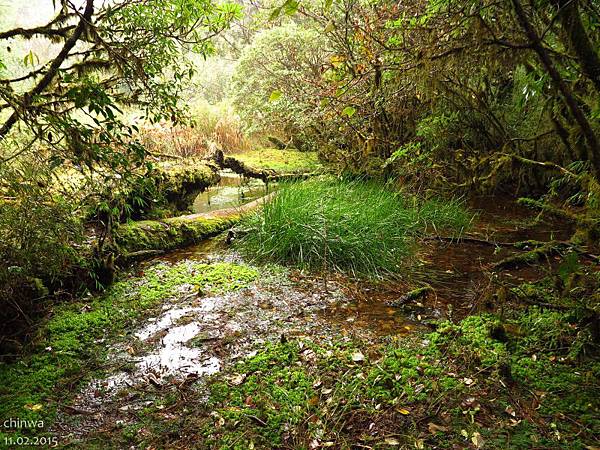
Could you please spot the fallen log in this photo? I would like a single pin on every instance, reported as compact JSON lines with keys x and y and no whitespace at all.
{"x":266,"y":175}
{"x":148,"y":237}
{"x":411,"y":296}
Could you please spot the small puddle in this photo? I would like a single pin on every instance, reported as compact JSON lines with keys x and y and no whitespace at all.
{"x":232,"y":190}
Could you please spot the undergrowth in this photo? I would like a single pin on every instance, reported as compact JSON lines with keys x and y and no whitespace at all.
{"x":364,"y":228}
{"x":458,"y":387}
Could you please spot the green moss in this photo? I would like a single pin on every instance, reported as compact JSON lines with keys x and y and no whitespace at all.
{"x":281,"y":161}
{"x":68,"y":347}
{"x":470,"y":341}
{"x":295,"y":392}
{"x":170,"y":233}
{"x":180,"y":182}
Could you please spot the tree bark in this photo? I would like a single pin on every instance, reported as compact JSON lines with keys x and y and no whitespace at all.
{"x":578,"y":40}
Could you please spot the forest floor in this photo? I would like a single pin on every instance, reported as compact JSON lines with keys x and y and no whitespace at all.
{"x":198,"y":349}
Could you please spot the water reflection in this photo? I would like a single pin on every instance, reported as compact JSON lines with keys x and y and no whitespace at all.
{"x":232,"y":190}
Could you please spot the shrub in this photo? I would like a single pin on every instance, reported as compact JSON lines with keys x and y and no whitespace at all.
{"x":210,"y":123}
{"x":39,"y":233}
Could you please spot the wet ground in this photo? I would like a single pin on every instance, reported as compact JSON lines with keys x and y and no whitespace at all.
{"x":196,"y":334}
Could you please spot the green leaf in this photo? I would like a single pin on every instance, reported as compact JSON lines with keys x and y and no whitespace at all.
{"x":275,"y":13}
{"x":275,"y":95}
{"x":291,"y":7}
{"x":349,"y":111}
{"x":30,"y":59}
{"x":328,"y":4}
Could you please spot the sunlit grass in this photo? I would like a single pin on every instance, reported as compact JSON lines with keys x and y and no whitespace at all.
{"x":364,"y":228}
{"x":285,"y":161}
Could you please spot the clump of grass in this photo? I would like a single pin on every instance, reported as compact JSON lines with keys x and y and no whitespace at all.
{"x":364,"y":228}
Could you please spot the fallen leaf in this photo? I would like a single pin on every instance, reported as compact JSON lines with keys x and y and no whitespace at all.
{"x":313,"y":401}
{"x":403,"y":411}
{"x":358,"y":357}
{"x":510,"y":411}
{"x":434,"y":428}
{"x":238,"y":379}
{"x":36,"y":407}
{"x":477,"y":440}
{"x":391,"y":441}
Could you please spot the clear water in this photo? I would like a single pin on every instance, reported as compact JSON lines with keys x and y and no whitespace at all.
{"x":232,"y":190}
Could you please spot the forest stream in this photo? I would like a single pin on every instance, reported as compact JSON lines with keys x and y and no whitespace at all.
{"x":300,"y":225}
{"x":196,"y":333}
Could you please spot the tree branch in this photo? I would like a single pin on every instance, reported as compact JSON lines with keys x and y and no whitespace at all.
{"x":29,"y":97}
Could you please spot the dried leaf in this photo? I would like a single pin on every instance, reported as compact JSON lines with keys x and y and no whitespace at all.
{"x":238,"y":379}
{"x":313,"y":401}
{"x":358,"y":357}
{"x":434,"y":428}
{"x":36,"y":407}
{"x":477,"y":440}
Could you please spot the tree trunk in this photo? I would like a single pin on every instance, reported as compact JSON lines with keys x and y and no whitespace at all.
{"x":578,"y":40}
{"x":536,"y":44}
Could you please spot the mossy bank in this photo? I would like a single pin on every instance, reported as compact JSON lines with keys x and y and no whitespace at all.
{"x":72,"y":345}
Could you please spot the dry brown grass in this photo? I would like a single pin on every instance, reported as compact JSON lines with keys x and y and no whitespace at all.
{"x":218,"y":126}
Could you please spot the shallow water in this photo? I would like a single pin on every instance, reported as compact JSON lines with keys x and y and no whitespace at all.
{"x":232,"y":190}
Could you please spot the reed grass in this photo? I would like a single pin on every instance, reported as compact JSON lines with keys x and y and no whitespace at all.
{"x":363,"y":228}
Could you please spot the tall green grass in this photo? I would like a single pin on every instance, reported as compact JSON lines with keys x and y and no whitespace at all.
{"x":364,"y":228}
